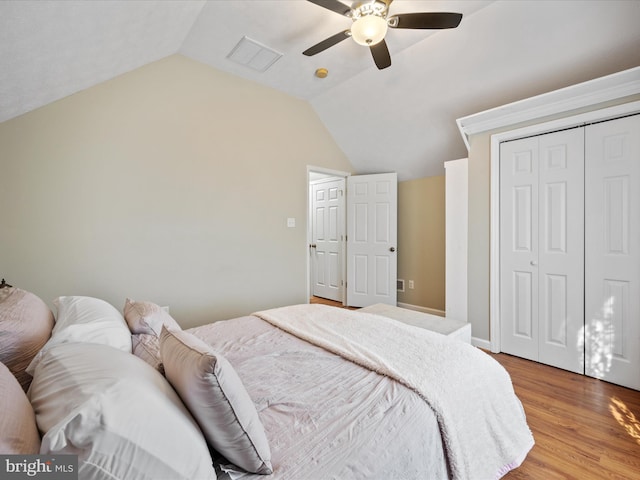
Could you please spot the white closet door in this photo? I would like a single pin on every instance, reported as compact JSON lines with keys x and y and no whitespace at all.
{"x":519,"y":248}
{"x":542,"y":248}
{"x":561,"y":249}
{"x":612,"y":323}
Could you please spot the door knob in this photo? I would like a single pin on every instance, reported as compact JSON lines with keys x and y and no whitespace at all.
{"x":392,"y":249}
{"x":312,"y":245}
{"x":533,"y":263}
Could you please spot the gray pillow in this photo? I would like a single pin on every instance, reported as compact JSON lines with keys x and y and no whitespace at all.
{"x":216,"y":397}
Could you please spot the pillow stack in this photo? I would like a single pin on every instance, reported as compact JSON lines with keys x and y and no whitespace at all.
{"x":123,"y":418}
{"x":119,"y":415}
{"x":92,"y":398}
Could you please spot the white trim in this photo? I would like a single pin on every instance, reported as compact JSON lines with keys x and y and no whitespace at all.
{"x":592,"y":92}
{"x":481,"y":343}
{"x":494,"y":252}
{"x":418,"y":308}
{"x":538,"y":129}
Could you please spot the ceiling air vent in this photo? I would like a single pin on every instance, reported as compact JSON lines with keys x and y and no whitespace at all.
{"x":253,"y":54}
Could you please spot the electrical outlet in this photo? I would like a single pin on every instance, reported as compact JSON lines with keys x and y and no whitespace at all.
{"x":411,"y":285}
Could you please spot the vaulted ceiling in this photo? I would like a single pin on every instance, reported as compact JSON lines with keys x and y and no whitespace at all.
{"x":398,"y":119}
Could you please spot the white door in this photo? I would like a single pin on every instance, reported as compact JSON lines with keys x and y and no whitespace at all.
{"x":612,"y":303}
{"x":519,"y":248}
{"x":542,"y":248}
{"x":327,"y":237}
{"x":372,"y":211}
{"x":561,"y":249}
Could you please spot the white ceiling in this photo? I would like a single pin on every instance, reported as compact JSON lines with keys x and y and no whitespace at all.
{"x":398,"y":119}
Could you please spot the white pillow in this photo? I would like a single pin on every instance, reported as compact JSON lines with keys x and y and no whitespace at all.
{"x":215,"y":395}
{"x":119,"y":415}
{"x":89,"y":320}
{"x":88,"y":310}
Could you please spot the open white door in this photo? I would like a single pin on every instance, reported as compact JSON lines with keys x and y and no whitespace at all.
{"x":327,"y":237}
{"x":372,"y":215}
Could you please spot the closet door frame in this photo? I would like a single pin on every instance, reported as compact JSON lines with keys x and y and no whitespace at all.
{"x":536,"y":129}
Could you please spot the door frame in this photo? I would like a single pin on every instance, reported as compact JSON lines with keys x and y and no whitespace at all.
{"x":531,"y":130}
{"x":326,"y":172}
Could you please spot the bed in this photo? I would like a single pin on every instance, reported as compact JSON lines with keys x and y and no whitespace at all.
{"x":298,"y":392}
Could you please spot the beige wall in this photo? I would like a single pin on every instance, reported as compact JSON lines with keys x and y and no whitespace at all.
{"x":479,"y":235}
{"x":171,"y":183}
{"x":480,"y":218}
{"x":421,"y":241}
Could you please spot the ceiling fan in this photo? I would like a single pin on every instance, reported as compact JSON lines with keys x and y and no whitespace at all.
{"x":370,"y":23}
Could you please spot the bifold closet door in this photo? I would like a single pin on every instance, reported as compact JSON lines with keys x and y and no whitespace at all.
{"x":542,"y":248}
{"x":612,"y":247}
{"x":519,"y":248}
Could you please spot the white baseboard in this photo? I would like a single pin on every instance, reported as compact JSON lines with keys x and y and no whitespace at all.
{"x":418,"y":308}
{"x":481,"y":343}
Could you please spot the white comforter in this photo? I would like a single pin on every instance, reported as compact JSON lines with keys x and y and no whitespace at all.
{"x":327,"y":418}
{"x":482,"y":421}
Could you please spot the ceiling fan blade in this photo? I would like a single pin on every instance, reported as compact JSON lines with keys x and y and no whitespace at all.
{"x":426,"y":20}
{"x":381,"y":55}
{"x":326,"y":43}
{"x":334,"y":6}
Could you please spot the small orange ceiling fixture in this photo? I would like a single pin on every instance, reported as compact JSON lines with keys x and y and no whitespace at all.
{"x":322,"y":73}
{"x":370,"y":22}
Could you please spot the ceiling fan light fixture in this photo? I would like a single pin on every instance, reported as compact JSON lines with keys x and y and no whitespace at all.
{"x":369,"y":30}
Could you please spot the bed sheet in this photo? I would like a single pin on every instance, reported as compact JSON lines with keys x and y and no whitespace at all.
{"x":326,"y":417}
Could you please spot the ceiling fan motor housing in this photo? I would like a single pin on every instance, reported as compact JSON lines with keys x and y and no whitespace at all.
{"x":375,"y":7}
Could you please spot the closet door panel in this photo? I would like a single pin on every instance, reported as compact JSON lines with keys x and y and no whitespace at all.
{"x":561,"y":251}
{"x":519,"y":248}
{"x":612,"y":243}
{"x":542,"y":248}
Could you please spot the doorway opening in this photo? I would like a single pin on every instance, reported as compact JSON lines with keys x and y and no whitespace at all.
{"x":352,"y":237}
{"x":326,"y":239}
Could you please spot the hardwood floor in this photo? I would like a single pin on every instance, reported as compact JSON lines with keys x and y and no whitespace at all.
{"x":332,"y":303}
{"x":585,"y":429}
